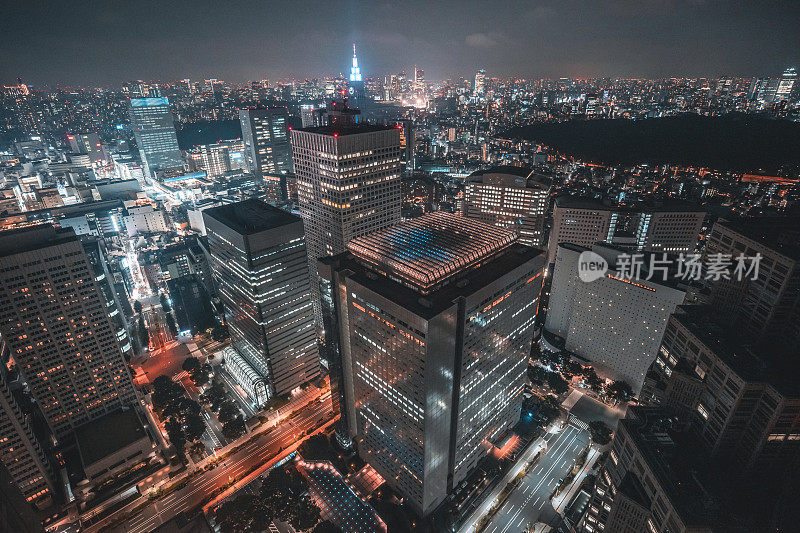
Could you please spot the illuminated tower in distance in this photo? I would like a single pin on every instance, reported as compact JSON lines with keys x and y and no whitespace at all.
{"x":356,"y":82}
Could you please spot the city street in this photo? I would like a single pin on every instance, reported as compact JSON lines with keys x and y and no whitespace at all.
{"x":530,"y":501}
{"x":267,"y":445}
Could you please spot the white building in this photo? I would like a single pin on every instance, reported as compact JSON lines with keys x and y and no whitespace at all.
{"x":613,"y":322}
{"x":146,"y":219}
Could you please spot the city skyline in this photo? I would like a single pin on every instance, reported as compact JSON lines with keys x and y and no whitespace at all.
{"x":649,"y":39}
{"x":560,"y":292}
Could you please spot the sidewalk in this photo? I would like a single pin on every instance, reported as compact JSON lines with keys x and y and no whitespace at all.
{"x":560,"y":502}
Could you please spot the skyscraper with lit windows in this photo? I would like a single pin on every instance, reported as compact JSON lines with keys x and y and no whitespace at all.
{"x":480,"y":82}
{"x":20,"y":453}
{"x":431,"y":323}
{"x":55,"y":322}
{"x":509,"y":197}
{"x":266,"y":145}
{"x":258,"y":254}
{"x":348,"y":184}
{"x":154,"y":130}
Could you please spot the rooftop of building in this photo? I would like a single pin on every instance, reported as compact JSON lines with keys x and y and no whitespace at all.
{"x":761,"y":360}
{"x":427,"y":250}
{"x":526,"y":173}
{"x":251,"y":216}
{"x":659,"y":205}
{"x":781,"y":234}
{"x":108,"y":434}
{"x":614,"y":255}
{"x":347,"y":129}
{"x":680,"y":465}
{"x":427,"y":305}
{"x":16,"y":241}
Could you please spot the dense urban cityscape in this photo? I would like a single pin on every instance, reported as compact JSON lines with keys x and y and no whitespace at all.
{"x":387,"y":302}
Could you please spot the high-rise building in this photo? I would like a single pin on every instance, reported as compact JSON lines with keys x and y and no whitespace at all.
{"x":218,"y":158}
{"x":348,"y":184}
{"x":419,"y":77}
{"x":671,"y":226}
{"x":786,"y":83}
{"x":307,"y":115}
{"x":765,"y":91}
{"x":769,"y":304}
{"x":15,"y":514}
{"x":20,"y":452}
{"x":356,"y":79}
{"x":98,"y":259}
{"x":510,"y":197}
{"x":655,"y":482}
{"x":480,"y":82}
{"x":429,"y":325}
{"x":154,"y":130}
{"x":614,"y":322}
{"x":55,"y":323}
{"x":266,"y":146}
{"x":258,"y":254}
{"x":739,"y":395}
{"x":187,"y":86}
{"x":407,"y":145}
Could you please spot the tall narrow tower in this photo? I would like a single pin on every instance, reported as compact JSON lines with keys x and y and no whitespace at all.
{"x":258,"y":253}
{"x":356,"y":81}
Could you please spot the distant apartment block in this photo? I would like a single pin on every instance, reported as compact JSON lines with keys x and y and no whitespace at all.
{"x":510,"y":197}
{"x":671,"y":226}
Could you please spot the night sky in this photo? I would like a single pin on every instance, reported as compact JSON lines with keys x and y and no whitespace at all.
{"x":108,"y":41}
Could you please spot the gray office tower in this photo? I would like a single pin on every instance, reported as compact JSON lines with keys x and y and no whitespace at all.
{"x":266,"y":146}
{"x":258,"y":254}
{"x":154,"y":130}
{"x":348,"y":184}
{"x":430,"y":325}
{"x":56,"y":325}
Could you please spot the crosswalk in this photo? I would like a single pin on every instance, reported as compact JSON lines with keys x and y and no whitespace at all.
{"x":578,"y":423}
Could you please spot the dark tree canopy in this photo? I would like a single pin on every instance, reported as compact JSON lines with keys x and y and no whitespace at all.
{"x":620,"y":391}
{"x":600,"y":432}
{"x":731,"y":142}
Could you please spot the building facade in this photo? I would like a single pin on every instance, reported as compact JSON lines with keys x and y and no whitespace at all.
{"x":268,"y":153}
{"x":670,"y":226}
{"x":770,"y":303}
{"x":432,"y":323}
{"x":21,"y":453}
{"x":258,"y":255}
{"x":739,"y":395}
{"x":652,"y":483}
{"x":614,"y":322}
{"x":55,"y":322}
{"x":348,"y":185}
{"x":154,"y":130}
{"x":510,"y":197}
{"x":218,"y":158}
